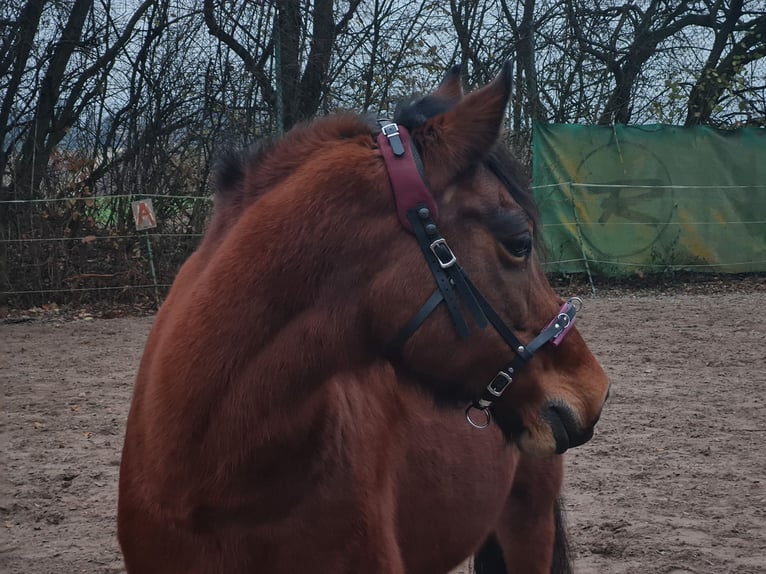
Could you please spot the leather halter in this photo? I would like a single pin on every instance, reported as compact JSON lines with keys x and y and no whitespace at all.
{"x":417,"y":213}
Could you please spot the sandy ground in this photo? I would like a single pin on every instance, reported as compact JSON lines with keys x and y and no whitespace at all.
{"x":673,"y":482}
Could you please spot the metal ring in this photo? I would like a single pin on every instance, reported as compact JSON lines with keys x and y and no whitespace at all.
{"x":475,"y":424}
{"x":576,"y":303}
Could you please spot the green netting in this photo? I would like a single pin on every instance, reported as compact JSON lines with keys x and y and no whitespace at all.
{"x":621,"y":199}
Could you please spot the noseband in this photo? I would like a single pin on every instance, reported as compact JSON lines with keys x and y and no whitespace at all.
{"x":417,"y":211}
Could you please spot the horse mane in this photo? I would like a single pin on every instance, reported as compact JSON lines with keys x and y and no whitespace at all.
{"x":229,"y":172}
{"x":240,"y":178}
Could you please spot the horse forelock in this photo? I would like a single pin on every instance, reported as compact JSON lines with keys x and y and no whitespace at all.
{"x":416,"y":111}
{"x":515,"y":179}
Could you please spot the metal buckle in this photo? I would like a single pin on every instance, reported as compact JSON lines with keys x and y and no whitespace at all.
{"x":390,"y":130}
{"x":562,"y":321}
{"x":451,"y":260}
{"x":505,"y":380}
{"x":565,"y":319}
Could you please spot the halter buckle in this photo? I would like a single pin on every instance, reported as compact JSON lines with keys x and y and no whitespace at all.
{"x":391,"y":131}
{"x":565,"y":320}
{"x":443,"y":253}
{"x":497,"y":386}
{"x":562,"y":321}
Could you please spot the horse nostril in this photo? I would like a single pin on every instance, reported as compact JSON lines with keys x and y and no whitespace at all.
{"x":565,"y":427}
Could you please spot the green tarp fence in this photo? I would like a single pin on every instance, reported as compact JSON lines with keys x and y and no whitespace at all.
{"x":617,"y":200}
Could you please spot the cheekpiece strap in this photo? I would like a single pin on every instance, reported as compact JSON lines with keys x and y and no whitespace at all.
{"x":407,"y":181}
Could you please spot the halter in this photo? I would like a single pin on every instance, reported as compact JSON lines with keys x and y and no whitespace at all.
{"x":417,"y":211}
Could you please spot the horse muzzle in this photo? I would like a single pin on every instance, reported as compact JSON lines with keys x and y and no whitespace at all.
{"x":566,"y":429}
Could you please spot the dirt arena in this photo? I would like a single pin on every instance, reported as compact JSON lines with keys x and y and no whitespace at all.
{"x":673,"y":482}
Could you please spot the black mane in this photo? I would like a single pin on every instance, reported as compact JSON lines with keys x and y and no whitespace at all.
{"x":229,"y":170}
{"x":416,"y":111}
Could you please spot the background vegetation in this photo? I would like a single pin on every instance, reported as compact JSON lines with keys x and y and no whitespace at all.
{"x":103,"y":101}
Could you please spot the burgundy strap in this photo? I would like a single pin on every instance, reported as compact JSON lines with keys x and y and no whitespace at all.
{"x":409,"y":187}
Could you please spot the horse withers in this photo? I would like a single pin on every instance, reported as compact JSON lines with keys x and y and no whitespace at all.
{"x":363,"y":298}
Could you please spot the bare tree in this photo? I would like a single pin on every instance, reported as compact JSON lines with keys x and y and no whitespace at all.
{"x":103,"y":97}
{"x":739,"y":39}
{"x":632,"y":44}
{"x":624,"y":38}
{"x":392,"y":52}
{"x":15,"y":54}
{"x":298,"y":45}
{"x":70,"y":78}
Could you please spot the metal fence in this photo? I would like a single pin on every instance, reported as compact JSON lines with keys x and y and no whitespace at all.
{"x":85,"y":250}
{"x":89,"y":249}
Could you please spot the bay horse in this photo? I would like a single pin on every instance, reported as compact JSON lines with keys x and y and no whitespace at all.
{"x":312,"y":392}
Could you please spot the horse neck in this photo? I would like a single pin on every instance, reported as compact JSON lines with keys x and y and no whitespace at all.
{"x":277,"y":301}
{"x":269,"y":302}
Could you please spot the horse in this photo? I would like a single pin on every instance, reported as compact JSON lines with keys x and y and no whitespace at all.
{"x":362,"y":368}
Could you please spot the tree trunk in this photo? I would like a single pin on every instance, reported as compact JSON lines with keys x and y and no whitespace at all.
{"x":16,"y":50}
{"x":38,"y":145}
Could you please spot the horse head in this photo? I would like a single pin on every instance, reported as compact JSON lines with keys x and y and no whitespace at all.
{"x":506,"y":341}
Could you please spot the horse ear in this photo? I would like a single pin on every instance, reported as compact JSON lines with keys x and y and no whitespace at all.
{"x":462,"y":136}
{"x":451,"y":88}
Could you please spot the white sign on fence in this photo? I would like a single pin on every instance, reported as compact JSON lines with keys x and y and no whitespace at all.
{"x":143,"y":214}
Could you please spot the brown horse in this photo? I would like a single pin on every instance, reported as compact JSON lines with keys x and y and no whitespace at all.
{"x":299,"y":408}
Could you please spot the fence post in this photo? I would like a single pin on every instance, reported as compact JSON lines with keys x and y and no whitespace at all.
{"x":580,"y":237}
{"x":152,"y":270}
{"x":143,"y":215}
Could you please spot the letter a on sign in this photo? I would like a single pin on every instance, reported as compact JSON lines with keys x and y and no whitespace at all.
{"x":143,"y":214}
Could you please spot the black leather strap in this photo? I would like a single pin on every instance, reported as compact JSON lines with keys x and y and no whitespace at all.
{"x":469,"y":295}
{"x":426,"y":234}
{"x":395,"y":346}
{"x":498,"y":324}
{"x":504,"y":378}
{"x":553,"y":330}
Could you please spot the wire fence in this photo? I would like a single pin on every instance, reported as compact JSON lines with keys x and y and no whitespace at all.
{"x":89,"y":249}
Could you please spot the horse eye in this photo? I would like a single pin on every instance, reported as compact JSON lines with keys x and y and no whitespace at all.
{"x":518,"y":245}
